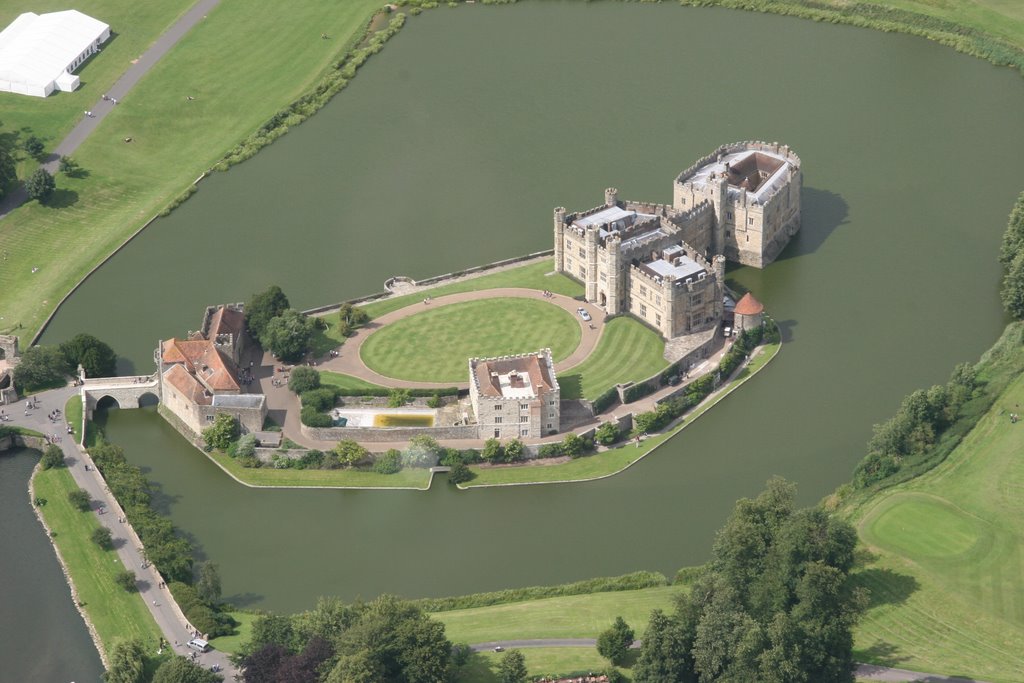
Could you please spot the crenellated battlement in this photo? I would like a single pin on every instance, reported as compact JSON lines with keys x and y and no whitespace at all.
{"x":733,"y":147}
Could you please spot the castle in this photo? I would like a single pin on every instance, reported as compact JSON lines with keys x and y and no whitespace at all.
{"x":666,"y":264}
{"x":515,"y":396}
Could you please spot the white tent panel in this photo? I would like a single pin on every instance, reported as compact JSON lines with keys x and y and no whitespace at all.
{"x":39,"y":52}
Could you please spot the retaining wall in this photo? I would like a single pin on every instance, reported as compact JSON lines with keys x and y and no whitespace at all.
{"x":385,"y":434}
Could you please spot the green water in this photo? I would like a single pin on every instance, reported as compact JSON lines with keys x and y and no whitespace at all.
{"x":401,"y":420}
{"x":451,"y":149}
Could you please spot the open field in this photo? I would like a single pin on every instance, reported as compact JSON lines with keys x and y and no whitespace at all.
{"x":337,"y":379}
{"x":128,"y":183}
{"x":948,"y":552}
{"x":116,"y":614}
{"x":133,"y":26}
{"x":243,"y":632}
{"x":409,"y":478}
{"x":627,"y":352}
{"x":575,"y":616}
{"x":617,"y":459}
{"x":433,"y":346}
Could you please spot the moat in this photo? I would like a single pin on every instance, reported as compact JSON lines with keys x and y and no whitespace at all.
{"x":891,"y":281}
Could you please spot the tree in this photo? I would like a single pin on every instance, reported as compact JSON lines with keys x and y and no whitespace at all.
{"x":246,"y":447}
{"x":8,"y":173}
{"x":53,"y":457}
{"x":1013,"y":238}
{"x":574,"y":445}
{"x":98,"y":359}
{"x":126,"y":580}
{"x":398,"y":398}
{"x":350,"y":317}
{"x":513,"y":668}
{"x":514,"y":450}
{"x":33,"y":146}
{"x":208,"y":585}
{"x":304,"y":378}
{"x":103,"y":537}
{"x":423,"y":451}
{"x":262,"y":664}
{"x":40,"y":185}
{"x":614,"y":643}
{"x":262,"y":308}
{"x":271,"y":629}
{"x":1013,"y":287}
{"x":460,"y":473}
{"x":41,"y":367}
{"x":80,"y":499}
{"x":222,"y":432}
{"x":492,"y":451}
{"x":350,"y":452}
{"x":127,"y":663}
{"x":664,"y":653}
{"x":181,"y":670}
{"x":69,"y":167}
{"x":289,"y":335}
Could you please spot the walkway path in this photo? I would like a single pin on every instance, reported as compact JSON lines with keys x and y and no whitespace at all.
{"x":868,"y":672}
{"x":350,"y":363}
{"x":158,"y":600}
{"x":160,"y":47}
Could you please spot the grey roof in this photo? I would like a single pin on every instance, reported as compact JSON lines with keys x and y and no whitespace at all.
{"x":683,"y":267}
{"x":238,"y":400}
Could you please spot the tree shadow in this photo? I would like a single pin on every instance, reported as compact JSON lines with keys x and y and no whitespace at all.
{"x":477,"y":669}
{"x":786,"y":329}
{"x":61,"y":199}
{"x":571,"y":386}
{"x":159,"y":500}
{"x":882,"y":653}
{"x":821,"y":212}
{"x":142,"y":585}
{"x":118,"y":543}
{"x":243,"y":599}
{"x":886,"y":586}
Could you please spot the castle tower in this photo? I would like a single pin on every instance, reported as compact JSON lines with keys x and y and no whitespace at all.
{"x":718,"y":265}
{"x":559,"y":239}
{"x":591,"y":275}
{"x":613,"y":247}
{"x":611,"y":197}
{"x":749,"y":313}
{"x":720,"y":198}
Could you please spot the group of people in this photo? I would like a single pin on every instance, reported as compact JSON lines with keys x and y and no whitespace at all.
{"x":546,"y":294}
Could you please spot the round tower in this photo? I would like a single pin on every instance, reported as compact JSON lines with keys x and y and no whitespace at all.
{"x":611,"y":197}
{"x":749,"y":313}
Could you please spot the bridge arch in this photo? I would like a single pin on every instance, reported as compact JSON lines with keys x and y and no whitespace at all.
{"x":148,"y":398}
{"x":107,"y":401}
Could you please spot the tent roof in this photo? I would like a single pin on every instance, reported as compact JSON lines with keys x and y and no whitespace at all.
{"x":36,"y":49}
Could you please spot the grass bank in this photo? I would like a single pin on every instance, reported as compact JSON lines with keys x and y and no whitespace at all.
{"x":73,"y":415}
{"x":946,"y":551}
{"x":613,"y":461}
{"x":551,"y":661}
{"x":115,"y":614}
{"x":408,"y":478}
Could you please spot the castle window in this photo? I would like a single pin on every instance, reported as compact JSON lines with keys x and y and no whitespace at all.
{"x":657,"y":299}
{"x":727,"y":233}
{"x":696,"y":299}
{"x":728,"y":214}
{"x":524,"y":432}
{"x":524,"y":406}
{"x":551,"y":402}
{"x":643,"y":291}
{"x":643,"y":311}
{"x":604,"y":277}
{"x":497,"y":433}
{"x":524,"y":418}
{"x":210,"y":418}
{"x":657,"y":319}
{"x":750,"y":221}
{"x":748,"y":238}
{"x":583,"y":252}
{"x":683,"y":201}
{"x":498,"y":420}
{"x":583,"y":271}
{"x":549,"y":426}
{"x":498,"y":406}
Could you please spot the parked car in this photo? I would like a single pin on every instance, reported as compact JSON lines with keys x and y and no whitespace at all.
{"x":583,"y":314}
{"x":499,"y":648}
{"x":727,"y":331}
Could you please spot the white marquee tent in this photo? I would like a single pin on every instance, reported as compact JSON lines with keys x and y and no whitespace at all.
{"x":39,"y":52}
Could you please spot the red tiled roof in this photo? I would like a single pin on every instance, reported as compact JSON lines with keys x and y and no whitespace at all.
{"x":748,"y":305}
{"x":226,"y":321}
{"x":526,"y":367}
{"x":179,"y":378}
{"x":201,"y":358}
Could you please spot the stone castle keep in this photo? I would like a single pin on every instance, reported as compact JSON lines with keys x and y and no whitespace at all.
{"x":666,"y":264}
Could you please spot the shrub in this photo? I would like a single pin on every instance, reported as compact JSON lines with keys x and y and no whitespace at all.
{"x":514,"y":451}
{"x":423,"y":451}
{"x":435,"y":401}
{"x":460,"y":473}
{"x":551,"y":450}
{"x":40,"y":185}
{"x":303,"y":379}
{"x":605,"y":401}
{"x":223,"y":431}
{"x":80,"y":499}
{"x":330,"y":461}
{"x":246,"y":446}
{"x":575,"y":445}
{"x":388,"y":463}
{"x":103,"y":538}
{"x":398,"y":398}
{"x":350,"y":452}
{"x":320,"y":400}
{"x":608,"y":433}
{"x":126,"y":580}
{"x":492,"y":451}
{"x":312,"y":458}
{"x":638,"y":391}
{"x":53,"y":457}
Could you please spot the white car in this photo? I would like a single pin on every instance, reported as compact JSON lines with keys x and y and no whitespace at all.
{"x":727,"y":331}
{"x":583,"y":314}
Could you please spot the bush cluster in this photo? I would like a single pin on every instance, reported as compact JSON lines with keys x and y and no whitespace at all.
{"x":203,"y":616}
{"x":605,"y":401}
{"x":638,"y":391}
{"x":389,"y":462}
{"x":573,"y":445}
{"x":626,"y":582}
{"x":1011,"y":255}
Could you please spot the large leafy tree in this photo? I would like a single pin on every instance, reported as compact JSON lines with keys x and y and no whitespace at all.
{"x":96,"y":357}
{"x":614,"y":643}
{"x":262,"y":308}
{"x":181,"y":670}
{"x":40,"y":185}
{"x":208,"y":585}
{"x":513,"y":668}
{"x":288,"y":335}
{"x":41,"y":367}
{"x":127,"y":661}
{"x":222,"y":432}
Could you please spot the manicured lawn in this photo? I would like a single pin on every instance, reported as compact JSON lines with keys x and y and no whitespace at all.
{"x":483,"y":667}
{"x":946,"y":579}
{"x":129,"y":183}
{"x":243,"y":632}
{"x":409,"y":478}
{"x":1003,"y":18}
{"x":435,"y":345}
{"x":343,"y":381}
{"x":628,"y":351}
{"x":73,"y":415}
{"x":617,"y":459}
{"x":116,"y":614}
{"x":575,"y":616}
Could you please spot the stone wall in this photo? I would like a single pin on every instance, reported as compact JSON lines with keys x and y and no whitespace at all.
{"x":22,"y":441}
{"x":385,"y":434}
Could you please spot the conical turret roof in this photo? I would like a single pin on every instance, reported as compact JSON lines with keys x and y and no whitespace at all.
{"x":748,"y":305}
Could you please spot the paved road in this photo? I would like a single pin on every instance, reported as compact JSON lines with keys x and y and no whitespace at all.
{"x":118,"y":91}
{"x":868,"y":672}
{"x":158,"y":600}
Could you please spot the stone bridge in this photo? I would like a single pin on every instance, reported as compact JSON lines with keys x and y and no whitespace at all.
{"x":126,"y":392}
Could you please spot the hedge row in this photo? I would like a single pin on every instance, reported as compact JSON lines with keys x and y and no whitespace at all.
{"x":626,"y":582}
{"x":605,"y":401}
{"x":638,"y":391}
{"x":384,"y":392}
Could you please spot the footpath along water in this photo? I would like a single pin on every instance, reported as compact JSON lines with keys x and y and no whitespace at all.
{"x":431,"y":161}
